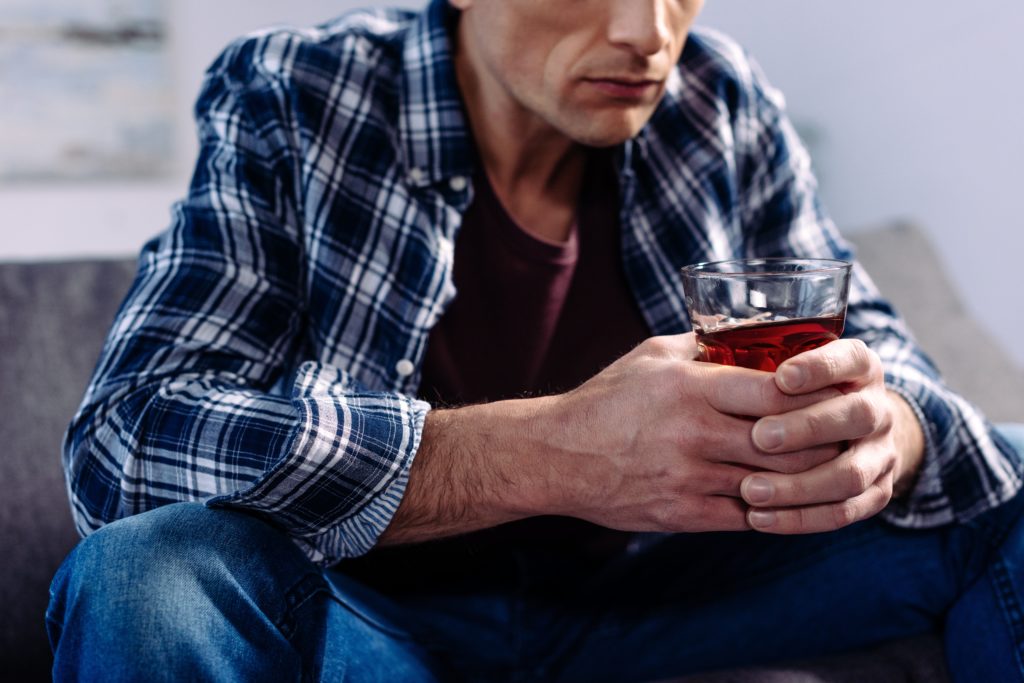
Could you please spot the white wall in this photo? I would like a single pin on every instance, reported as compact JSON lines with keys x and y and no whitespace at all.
{"x":915,"y":106}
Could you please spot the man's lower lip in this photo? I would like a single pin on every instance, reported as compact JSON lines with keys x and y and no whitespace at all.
{"x":623,"y":90}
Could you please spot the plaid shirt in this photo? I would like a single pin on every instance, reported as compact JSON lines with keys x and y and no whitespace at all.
{"x":267,"y":355}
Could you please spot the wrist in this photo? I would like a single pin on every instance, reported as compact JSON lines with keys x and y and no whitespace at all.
{"x":909,"y":440}
{"x":534,"y":455}
{"x":510,"y":446}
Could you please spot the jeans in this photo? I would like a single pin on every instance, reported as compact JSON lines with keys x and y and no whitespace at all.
{"x":188,"y":593}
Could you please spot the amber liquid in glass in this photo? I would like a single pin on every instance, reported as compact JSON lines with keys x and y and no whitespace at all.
{"x":764,"y":346}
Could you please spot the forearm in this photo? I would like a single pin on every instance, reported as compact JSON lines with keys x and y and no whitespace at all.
{"x":476,"y":467}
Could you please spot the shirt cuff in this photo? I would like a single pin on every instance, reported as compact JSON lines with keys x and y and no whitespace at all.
{"x":926,"y":503}
{"x":345,"y":473}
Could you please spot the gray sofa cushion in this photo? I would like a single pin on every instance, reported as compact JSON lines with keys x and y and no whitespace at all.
{"x":53,"y":318}
{"x":907,"y":269}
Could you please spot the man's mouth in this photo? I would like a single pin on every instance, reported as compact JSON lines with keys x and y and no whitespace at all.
{"x":625,"y":88}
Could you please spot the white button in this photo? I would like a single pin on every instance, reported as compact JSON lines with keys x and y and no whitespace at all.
{"x":458,"y":183}
{"x":445,"y":248}
{"x":404,"y":367}
{"x":416,"y":175}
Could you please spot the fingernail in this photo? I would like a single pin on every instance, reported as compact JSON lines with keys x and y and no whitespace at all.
{"x":761,"y":519}
{"x":768,"y":434}
{"x":793,"y":377}
{"x":758,"y":490}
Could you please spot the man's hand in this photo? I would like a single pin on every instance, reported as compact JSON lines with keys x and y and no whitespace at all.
{"x":885,"y":450}
{"x":661,"y":442}
{"x":658,"y":441}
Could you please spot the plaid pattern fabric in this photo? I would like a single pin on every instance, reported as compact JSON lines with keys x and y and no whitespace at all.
{"x":266,"y":357}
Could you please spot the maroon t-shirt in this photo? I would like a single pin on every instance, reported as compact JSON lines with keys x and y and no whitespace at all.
{"x":530,"y":317}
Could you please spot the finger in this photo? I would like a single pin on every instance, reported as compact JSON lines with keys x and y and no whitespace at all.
{"x":728,"y":440}
{"x":843,"y":418}
{"x":796,"y":461}
{"x":752,"y":393}
{"x":818,"y":518}
{"x":675,"y":346}
{"x":848,"y":476}
{"x":723,"y":479}
{"x":845,"y":361}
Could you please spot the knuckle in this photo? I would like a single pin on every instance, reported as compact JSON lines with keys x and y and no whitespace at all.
{"x":770,"y":395}
{"x":875,"y":363}
{"x":866,"y":361}
{"x":857,"y":477}
{"x":727,"y":481}
{"x":883,"y":494}
{"x":803,"y":521}
{"x":831,"y":367}
{"x":817,"y":424}
{"x":792,"y":490}
{"x":663,"y":346}
{"x":655,"y":345}
{"x":865,"y":413}
{"x":845,"y":513}
{"x":682,"y":441}
{"x":861,"y":353}
{"x":887,"y":413}
{"x":703,"y":508}
{"x":666,"y":517}
{"x":713,"y":392}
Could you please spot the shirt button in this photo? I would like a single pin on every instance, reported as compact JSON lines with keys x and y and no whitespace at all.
{"x":458,"y":183}
{"x":416,"y":175}
{"x":404,"y":367}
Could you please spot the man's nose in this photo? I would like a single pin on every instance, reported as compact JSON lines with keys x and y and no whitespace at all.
{"x":640,"y":25}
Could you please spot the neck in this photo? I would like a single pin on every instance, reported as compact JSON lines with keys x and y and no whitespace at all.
{"x":535,"y":170}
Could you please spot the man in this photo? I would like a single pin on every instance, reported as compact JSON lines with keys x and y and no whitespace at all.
{"x":485,"y":206}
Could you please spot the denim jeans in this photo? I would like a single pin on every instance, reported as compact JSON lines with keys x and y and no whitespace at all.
{"x":187,"y":593}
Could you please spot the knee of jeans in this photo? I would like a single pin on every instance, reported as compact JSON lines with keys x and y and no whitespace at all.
{"x":155,"y":559}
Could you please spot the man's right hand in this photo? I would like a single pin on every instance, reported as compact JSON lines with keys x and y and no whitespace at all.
{"x":659,"y":441}
{"x":656,"y":441}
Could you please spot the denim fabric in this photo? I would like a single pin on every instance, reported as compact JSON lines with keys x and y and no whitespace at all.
{"x":186,"y":592}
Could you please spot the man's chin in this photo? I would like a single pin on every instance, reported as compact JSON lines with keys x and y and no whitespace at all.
{"x":606,"y":140}
{"x":609,"y":133}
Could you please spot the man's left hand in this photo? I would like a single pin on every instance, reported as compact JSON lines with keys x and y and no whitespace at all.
{"x":885,"y":444}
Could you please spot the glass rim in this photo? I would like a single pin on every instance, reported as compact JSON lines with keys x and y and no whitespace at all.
{"x":822,"y":265}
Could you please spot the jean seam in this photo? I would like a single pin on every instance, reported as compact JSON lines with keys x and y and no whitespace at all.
{"x":295,"y":598}
{"x":1011,"y":608}
{"x":306,"y":589}
{"x":313,"y":585}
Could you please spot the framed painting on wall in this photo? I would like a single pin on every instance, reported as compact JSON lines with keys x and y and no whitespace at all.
{"x":85,"y":90}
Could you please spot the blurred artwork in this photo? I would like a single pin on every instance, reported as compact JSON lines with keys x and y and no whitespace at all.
{"x":84,"y":90}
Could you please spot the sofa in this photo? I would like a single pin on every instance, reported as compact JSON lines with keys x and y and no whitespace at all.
{"x":54,"y":316}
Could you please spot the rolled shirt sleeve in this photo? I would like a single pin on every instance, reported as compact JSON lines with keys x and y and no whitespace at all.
{"x":197,"y":395}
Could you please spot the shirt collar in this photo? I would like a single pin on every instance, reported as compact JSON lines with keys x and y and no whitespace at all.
{"x":433,"y":127}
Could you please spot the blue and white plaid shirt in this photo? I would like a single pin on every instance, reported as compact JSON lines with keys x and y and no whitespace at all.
{"x":267,"y":356}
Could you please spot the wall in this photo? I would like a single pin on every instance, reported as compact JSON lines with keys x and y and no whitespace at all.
{"x":913,"y":110}
{"x":916,"y":110}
